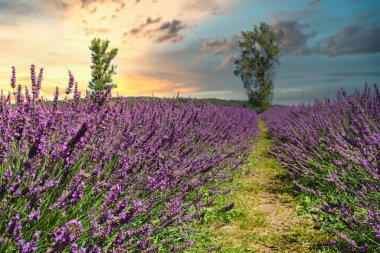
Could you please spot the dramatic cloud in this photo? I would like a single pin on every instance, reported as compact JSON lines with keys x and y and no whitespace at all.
{"x":149,"y":21}
{"x":294,"y":39}
{"x":352,"y":39}
{"x":220,"y":46}
{"x":166,"y":31}
{"x":169,"y":31}
{"x":45,"y":32}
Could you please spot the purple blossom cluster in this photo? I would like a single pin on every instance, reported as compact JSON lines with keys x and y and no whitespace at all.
{"x":111,"y":175}
{"x":332,"y":149}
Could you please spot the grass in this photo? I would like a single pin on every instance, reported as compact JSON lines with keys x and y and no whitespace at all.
{"x":264,"y":218}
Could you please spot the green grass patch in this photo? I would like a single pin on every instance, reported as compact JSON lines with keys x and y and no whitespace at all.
{"x":266,"y":214}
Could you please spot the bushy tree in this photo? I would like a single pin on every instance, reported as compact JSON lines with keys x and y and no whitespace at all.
{"x":259,"y":55}
{"x":101,"y":68}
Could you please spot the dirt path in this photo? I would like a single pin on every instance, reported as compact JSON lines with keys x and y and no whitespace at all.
{"x":263,"y":219}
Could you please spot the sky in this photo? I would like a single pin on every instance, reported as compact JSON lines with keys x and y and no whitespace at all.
{"x":188,"y":46}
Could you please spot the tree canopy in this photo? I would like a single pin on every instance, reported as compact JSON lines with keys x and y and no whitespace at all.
{"x":101,"y":68}
{"x":259,"y":55}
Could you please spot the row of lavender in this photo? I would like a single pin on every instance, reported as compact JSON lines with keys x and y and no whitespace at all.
{"x":112,"y":175}
{"x":332,"y":149}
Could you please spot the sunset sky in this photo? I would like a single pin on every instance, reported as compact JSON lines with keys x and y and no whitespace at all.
{"x":188,"y":46}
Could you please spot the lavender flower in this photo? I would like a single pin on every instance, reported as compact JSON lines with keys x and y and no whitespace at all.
{"x":331,"y":149}
{"x":113,"y":174}
{"x":13,"y":78}
{"x":70,"y":83}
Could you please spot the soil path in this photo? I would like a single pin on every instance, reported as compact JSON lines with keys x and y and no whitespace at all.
{"x":264,"y":217}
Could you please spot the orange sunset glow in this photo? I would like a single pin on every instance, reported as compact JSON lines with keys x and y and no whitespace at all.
{"x":189,"y":46}
{"x":57,"y":35}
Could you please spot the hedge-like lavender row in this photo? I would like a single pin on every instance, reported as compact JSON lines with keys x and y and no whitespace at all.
{"x":111,"y":176}
{"x":332,"y":149}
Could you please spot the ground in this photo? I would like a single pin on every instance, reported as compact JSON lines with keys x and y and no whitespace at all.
{"x":264,"y":218}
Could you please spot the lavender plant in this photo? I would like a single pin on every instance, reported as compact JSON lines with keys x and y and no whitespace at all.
{"x":119,"y":176}
{"x":332,"y":149}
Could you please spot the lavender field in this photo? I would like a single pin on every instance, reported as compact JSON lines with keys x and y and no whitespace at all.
{"x":332,"y":150}
{"x":190,"y":126}
{"x":112,"y":175}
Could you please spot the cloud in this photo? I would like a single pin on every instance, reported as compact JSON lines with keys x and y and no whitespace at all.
{"x":147,"y":85}
{"x":15,"y":12}
{"x":215,"y":48}
{"x":203,"y":6}
{"x":310,"y":92}
{"x":300,"y":14}
{"x":352,"y":39}
{"x":291,"y":77}
{"x":369,"y":73}
{"x":227,"y":62}
{"x":220,"y":46}
{"x":199,"y":60}
{"x":293,"y":39}
{"x":58,"y":4}
{"x":328,"y":80}
{"x":88,"y":2}
{"x":314,"y":1}
{"x":134,"y":31}
{"x":17,"y":8}
{"x":305,"y":94}
{"x":66,"y":4}
{"x":169,"y":31}
{"x":24,"y":7}
{"x":364,"y":16}
{"x":90,"y":30}
{"x":166,"y":31}
{"x":149,"y":21}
